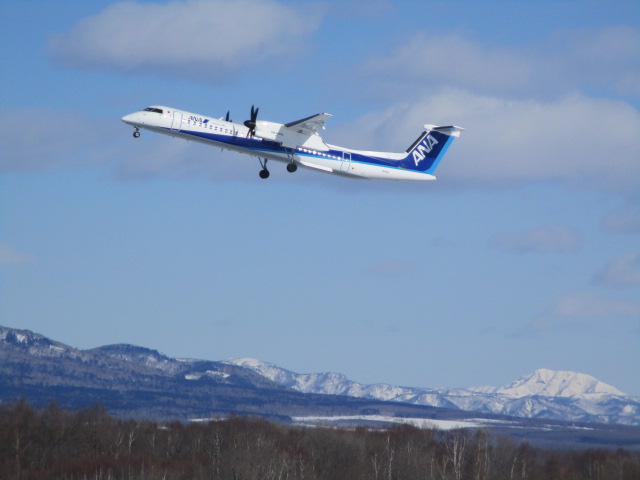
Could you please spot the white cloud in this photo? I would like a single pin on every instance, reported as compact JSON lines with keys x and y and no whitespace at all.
{"x":620,"y":272}
{"x":548,"y":239}
{"x":608,"y":57}
{"x":450,"y":60}
{"x":194,"y":38}
{"x":577,"y":311}
{"x":576,"y":140}
{"x":587,"y":304}
{"x":10,"y":256}
{"x":524,"y":109}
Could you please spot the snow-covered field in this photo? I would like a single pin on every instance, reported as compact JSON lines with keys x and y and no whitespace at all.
{"x":416,"y":422}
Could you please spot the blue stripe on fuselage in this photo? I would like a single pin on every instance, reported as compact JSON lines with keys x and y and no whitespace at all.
{"x":267,"y":146}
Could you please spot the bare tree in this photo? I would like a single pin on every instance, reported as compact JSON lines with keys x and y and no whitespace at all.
{"x":456,"y":446}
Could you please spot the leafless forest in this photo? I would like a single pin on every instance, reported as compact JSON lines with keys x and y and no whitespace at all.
{"x":90,"y":444}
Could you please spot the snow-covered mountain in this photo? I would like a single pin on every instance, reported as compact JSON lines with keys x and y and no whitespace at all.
{"x":549,"y":383}
{"x":126,"y":377}
{"x":545,"y":393}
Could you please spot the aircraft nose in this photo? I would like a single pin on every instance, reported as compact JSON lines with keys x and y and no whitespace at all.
{"x":130,"y":119}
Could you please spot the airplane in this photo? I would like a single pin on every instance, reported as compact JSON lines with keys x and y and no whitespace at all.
{"x":299,"y":144}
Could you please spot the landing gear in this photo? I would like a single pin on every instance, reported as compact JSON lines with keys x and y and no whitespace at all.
{"x":292,"y":166}
{"x":264,"y":173}
{"x":136,"y":133}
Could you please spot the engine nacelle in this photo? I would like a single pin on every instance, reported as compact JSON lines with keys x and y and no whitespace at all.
{"x":269,"y":130}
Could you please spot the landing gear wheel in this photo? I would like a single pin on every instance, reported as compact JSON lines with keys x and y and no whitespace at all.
{"x":136,"y":133}
{"x":292,"y":167}
{"x":264,"y":173}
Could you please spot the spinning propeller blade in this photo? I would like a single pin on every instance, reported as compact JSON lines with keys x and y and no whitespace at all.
{"x":251,"y":124}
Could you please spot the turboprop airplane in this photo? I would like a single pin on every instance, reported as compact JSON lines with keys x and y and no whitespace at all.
{"x":298,"y":143}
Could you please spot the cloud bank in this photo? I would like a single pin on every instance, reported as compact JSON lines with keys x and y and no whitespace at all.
{"x":587,"y":304}
{"x":203,"y":39}
{"x":607,"y":57}
{"x":530,"y":111}
{"x":580,"y":141}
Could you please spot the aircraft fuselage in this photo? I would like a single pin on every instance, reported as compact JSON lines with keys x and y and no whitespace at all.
{"x":291,"y":145}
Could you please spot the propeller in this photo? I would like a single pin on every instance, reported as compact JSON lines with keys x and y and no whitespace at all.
{"x":251,"y":124}
{"x":227,"y":118}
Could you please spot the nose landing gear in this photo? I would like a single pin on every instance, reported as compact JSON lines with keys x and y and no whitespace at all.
{"x":136,"y":133}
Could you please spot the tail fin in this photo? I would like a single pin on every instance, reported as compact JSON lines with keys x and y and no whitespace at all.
{"x":427,"y":151}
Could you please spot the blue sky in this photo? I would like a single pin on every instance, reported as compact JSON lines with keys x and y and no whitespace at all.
{"x":524,"y":254}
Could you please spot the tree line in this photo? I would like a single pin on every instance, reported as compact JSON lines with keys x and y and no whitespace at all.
{"x":51,"y":443}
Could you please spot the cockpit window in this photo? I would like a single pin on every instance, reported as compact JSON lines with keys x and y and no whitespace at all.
{"x":152,"y":109}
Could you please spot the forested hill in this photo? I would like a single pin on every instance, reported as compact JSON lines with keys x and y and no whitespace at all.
{"x":58,"y":445}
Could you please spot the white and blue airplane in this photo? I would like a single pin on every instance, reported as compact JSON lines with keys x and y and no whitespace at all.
{"x":298,"y":143}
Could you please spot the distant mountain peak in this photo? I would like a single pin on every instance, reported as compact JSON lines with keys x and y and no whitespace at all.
{"x":544,"y":393}
{"x":551,"y":383}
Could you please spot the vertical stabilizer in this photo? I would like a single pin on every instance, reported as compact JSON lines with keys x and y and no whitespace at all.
{"x":427,"y":151}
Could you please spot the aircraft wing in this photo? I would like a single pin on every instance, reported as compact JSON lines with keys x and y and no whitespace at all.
{"x":310,"y":125}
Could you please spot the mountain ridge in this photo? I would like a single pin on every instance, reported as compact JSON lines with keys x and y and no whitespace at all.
{"x":137,"y":382}
{"x":161,"y":386}
{"x":542,"y":394}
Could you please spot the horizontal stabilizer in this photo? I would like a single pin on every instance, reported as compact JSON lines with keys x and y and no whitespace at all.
{"x":450,"y":130}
